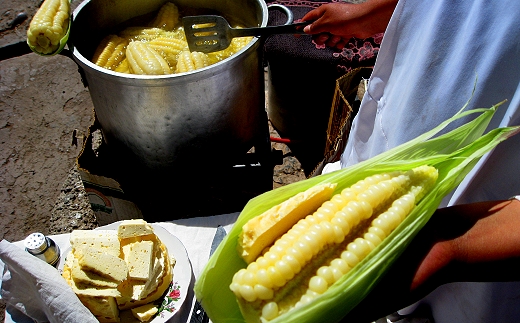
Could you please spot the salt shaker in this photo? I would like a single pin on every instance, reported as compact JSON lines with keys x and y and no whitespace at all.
{"x":42,"y":247}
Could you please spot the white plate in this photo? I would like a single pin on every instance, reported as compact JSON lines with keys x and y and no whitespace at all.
{"x":176,"y":295}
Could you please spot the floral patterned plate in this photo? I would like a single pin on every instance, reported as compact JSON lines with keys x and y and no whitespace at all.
{"x":176,"y":294}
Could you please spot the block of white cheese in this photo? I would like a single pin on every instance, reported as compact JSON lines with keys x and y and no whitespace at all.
{"x":139,"y":257}
{"x":153,"y":288}
{"x":102,"y":263}
{"x":157,"y":271}
{"x":89,"y":290}
{"x":81,"y":276}
{"x":83,"y":289}
{"x":102,"y":240}
{"x":131,"y":289}
{"x":104,"y":308}
{"x":134,"y":228}
{"x":145,"y":312}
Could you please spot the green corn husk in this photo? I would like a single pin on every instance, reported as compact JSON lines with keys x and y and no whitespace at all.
{"x":454,"y":154}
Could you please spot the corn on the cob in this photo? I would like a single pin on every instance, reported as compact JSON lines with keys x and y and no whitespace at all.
{"x":110,"y":52}
{"x":167,"y":17}
{"x":167,"y":39}
{"x":169,"y":48}
{"x":49,"y":25}
{"x":240,"y":42}
{"x":141,"y":33}
{"x":143,"y":59}
{"x":191,"y":61}
{"x":176,"y":33}
{"x":123,"y":67}
{"x":321,"y":248}
{"x":237,"y":44}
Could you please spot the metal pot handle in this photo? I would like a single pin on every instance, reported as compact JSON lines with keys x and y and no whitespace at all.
{"x":287,"y":11}
{"x":14,"y":50}
{"x":21,"y":48}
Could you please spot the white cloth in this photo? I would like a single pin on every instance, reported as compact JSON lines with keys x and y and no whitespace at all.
{"x":37,"y":289}
{"x":430,"y":57}
{"x":32,"y":288}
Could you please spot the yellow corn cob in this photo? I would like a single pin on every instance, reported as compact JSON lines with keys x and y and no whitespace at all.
{"x":169,"y":48}
{"x":167,"y":17}
{"x":176,"y":33}
{"x":49,"y":25}
{"x":142,"y":59}
{"x":237,"y":44}
{"x":141,"y":33}
{"x":319,"y":249}
{"x":190,"y":61}
{"x":110,"y":52}
{"x":240,"y":42}
{"x":123,"y":67}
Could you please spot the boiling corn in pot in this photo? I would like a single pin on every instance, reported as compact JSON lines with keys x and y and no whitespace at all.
{"x":157,"y":49}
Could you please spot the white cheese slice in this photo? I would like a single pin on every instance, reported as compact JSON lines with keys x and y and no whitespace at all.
{"x":85,"y":289}
{"x":131,"y":290}
{"x":103,"y":240}
{"x":139,"y":259}
{"x":103,"y":264}
{"x":90,"y":278}
{"x":89,"y":290}
{"x":134,"y":228}
{"x":157,"y":272}
{"x":144,"y":313}
{"x":104,"y":308}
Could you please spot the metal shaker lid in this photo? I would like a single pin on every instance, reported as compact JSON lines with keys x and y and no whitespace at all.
{"x":43,"y":248}
{"x":35,"y":243}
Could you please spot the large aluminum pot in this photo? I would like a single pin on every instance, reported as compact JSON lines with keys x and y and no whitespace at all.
{"x":174,"y":121}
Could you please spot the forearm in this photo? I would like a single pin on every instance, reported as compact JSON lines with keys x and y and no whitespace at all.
{"x":473,"y":242}
{"x":476,"y":244}
{"x":336,"y":23}
{"x":495,"y":235}
{"x":351,"y":20}
{"x":382,"y":10}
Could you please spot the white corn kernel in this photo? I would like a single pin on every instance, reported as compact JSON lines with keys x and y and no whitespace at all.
{"x":318,"y":284}
{"x":270,"y":311}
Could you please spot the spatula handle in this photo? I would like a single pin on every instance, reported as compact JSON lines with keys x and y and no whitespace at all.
{"x":296,"y":28}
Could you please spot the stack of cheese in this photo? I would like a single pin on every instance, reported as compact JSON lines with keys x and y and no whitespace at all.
{"x":118,"y":270}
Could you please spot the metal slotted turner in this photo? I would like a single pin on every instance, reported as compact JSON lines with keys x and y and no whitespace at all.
{"x":209,"y":33}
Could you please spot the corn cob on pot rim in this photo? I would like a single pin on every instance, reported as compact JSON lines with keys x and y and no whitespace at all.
{"x":63,"y":41}
{"x":453,"y":154}
{"x":82,"y":26}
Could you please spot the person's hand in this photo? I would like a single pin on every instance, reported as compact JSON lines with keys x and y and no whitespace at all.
{"x":472,"y":242}
{"x":336,"y":23}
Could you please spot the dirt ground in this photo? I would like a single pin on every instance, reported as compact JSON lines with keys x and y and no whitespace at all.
{"x":45,"y":111}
